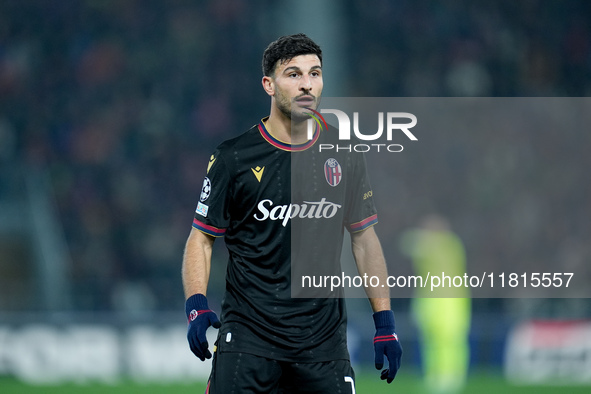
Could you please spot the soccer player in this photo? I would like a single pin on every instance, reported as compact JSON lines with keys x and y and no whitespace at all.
{"x":276,"y":198}
{"x":444,"y":323}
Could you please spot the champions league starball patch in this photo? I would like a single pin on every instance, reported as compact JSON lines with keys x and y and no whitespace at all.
{"x":205,"y":190}
{"x":333,"y":172}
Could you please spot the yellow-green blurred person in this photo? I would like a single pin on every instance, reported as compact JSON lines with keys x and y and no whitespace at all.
{"x":443,"y":323}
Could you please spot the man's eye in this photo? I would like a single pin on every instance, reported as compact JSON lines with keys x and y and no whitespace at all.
{"x":293,"y":75}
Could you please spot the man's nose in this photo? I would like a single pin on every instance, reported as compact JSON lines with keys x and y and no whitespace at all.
{"x":305,"y":84}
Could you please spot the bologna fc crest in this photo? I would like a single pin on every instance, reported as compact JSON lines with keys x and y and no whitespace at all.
{"x":333,"y":172}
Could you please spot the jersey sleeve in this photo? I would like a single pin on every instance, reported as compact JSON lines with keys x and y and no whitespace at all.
{"x":361,"y":212}
{"x":211,"y":214}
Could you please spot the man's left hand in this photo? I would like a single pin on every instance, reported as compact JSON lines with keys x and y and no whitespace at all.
{"x":385,"y":343}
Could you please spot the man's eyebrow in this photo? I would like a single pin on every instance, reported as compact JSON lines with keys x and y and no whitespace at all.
{"x":296,"y":68}
{"x":292,"y":68}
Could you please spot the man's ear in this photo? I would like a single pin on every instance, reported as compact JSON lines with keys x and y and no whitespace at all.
{"x":268,"y":85}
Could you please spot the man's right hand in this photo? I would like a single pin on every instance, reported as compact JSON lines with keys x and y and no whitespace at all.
{"x":200,"y":318}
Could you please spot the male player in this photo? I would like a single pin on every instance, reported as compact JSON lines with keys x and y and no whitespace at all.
{"x":444,"y":323}
{"x":268,"y":341}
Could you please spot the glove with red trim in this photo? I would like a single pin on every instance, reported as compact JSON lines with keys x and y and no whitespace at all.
{"x":385,"y":342}
{"x":200,"y":318}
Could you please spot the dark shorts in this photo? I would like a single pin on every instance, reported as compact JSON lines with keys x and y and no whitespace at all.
{"x":246,"y":373}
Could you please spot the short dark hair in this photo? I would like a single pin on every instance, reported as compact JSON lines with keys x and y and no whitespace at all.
{"x":286,"y":48}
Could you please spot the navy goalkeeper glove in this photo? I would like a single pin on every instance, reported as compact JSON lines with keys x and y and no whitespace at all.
{"x":200,"y":318}
{"x":385,"y":342}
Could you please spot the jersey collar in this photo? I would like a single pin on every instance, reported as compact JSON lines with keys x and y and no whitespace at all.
{"x":284,"y":145}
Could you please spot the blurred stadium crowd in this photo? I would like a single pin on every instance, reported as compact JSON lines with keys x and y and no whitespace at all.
{"x":122,"y":102}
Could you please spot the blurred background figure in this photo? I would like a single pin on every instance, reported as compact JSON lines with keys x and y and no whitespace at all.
{"x":444,"y":323}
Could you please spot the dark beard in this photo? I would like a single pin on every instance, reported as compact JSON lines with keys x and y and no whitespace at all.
{"x":294,"y":117}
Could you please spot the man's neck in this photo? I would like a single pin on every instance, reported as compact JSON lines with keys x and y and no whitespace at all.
{"x":280,"y":127}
